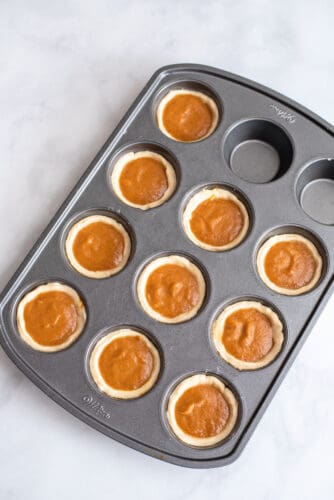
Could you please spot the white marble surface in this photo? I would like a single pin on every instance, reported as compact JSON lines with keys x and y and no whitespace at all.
{"x":69,"y":70}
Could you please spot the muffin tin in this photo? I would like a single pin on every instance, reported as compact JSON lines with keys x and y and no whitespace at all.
{"x":274,"y":154}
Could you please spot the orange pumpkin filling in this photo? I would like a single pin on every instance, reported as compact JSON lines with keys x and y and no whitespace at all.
{"x":143,"y":180}
{"x":126,"y":363}
{"x":99,"y":247}
{"x":248,"y":334}
{"x":172,"y":290}
{"x":51,"y":318}
{"x":217,"y":221}
{"x":187,"y":118}
{"x":202,"y":411}
{"x":290,"y":264}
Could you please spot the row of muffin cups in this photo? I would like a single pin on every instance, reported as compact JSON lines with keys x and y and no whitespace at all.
{"x":256,"y":149}
{"x":189,"y":111}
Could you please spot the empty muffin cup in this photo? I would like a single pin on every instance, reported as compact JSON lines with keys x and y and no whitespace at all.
{"x":315,"y":191}
{"x":258,"y":151}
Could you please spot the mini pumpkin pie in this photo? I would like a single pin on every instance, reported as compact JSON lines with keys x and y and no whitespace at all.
{"x":248,"y":335}
{"x":98,"y":246}
{"x":289,"y":264}
{"x":202,"y":411}
{"x":171,"y":289}
{"x":187,"y":115}
{"x":143,"y":180}
{"x":125,"y":364}
{"x":215,"y":219}
{"x":51,"y":317}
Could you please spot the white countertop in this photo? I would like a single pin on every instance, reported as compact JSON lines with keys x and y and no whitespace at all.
{"x":69,"y":70}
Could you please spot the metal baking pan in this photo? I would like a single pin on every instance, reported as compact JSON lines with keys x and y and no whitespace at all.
{"x":301,"y":182}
